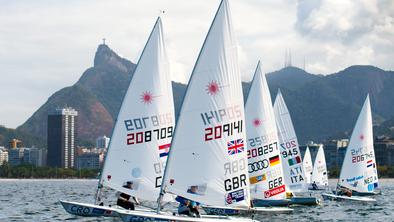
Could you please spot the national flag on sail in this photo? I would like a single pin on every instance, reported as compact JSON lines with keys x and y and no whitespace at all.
{"x":235,"y":146}
{"x":164,"y":149}
{"x":274,"y":160}
{"x":369,"y":163}
{"x":293,"y":161}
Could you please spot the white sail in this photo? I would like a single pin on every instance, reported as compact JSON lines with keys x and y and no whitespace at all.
{"x":319,"y":174}
{"x":291,"y":155}
{"x":359,"y":171}
{"x":209,"y":150}
{"x":264,"y":165}
{"x":308,"y":168}
{"x":142,"y":134}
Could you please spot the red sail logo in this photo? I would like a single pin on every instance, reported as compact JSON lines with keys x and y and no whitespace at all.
{"x":275,"y":191}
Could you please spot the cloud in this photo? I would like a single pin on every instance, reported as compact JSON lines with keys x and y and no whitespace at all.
{"x":344,"y":20}
{"x":46,"y":45}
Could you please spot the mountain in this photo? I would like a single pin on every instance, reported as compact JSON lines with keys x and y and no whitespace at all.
{"x":290,"y":78}
{"x":386,"y":128}
{"x":6,"y":135}
{"x":97,"y":97}
{"x":329,"y":105}
{"x":321,"y":106}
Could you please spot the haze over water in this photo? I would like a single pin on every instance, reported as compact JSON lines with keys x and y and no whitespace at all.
{"x":38,"y":200}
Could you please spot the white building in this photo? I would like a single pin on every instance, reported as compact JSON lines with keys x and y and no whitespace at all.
{"x":34,"y":156}
{"x":3,"y":155}
{"x":102,"y":142}
{"x":90,"y":158}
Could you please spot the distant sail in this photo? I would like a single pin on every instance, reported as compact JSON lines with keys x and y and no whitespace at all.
{"x":319,"y":175}
{"x":308,"y":168}
{"x":142,"y":134}
{"x":359,"y":170}
{"x":265,"y":168}
{"x":291,"y":155}
{"x":209,"y":146}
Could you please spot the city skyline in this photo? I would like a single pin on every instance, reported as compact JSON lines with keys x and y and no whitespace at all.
{"x":40,"y":56}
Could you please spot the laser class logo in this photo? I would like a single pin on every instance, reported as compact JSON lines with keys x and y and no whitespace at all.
{"x":146,"y":97}
{"x":213,"y":88}
{"x":257,"y":122}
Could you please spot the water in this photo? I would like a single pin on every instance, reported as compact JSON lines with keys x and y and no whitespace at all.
{"x":38,"y":200}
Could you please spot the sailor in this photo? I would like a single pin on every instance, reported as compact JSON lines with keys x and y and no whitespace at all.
{"x":125,"y":200}
{"x":189,"y":207}
{"x":343,"y":191}
{"x":314,"y":186}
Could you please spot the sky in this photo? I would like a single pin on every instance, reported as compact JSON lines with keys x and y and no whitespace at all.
{"x":46,"y":45}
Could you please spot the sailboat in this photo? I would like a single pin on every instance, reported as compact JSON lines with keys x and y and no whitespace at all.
{"x":359,"y":171}
{"x":319,"y":179}
{"x":307,"y":164}
{"x":294,"y":175}
{"x":264,"y":163}
{"x":208,"y":150}
{"x":267,"y":186}
{"x":142,"y":133}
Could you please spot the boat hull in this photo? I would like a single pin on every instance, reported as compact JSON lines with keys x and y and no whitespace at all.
{"x":331,"y":196}
{"x":270,"y":203}
{"x":133,"y":216}
{"x":213,"y":210}
{"x":366,"y":194}
{"x":308,"y":201}
{"x":89,"y":210}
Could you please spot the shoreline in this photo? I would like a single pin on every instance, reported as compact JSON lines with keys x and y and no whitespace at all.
{"x":53,"y":179}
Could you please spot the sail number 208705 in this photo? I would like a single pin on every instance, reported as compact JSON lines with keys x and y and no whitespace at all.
{"x":149,"y":135}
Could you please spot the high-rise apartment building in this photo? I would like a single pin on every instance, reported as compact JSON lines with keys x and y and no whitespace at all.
{"x":62,"y":133}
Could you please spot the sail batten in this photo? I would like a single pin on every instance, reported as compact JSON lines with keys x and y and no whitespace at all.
{"x":142,"y":133}
{"x":208,"y":150}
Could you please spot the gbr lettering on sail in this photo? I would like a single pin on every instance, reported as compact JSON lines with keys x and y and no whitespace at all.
{"x":225,"y":124}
